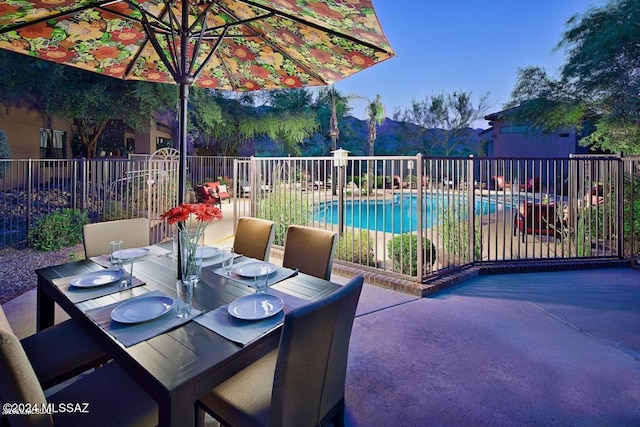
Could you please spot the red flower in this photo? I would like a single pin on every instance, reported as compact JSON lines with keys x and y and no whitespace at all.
{"x":105,"y":52}
{"x":202,"y":211}
{"x":37,"y":30}
{"x":290,"y":81}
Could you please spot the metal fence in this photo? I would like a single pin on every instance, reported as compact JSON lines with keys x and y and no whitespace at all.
{"x":410,"y":216}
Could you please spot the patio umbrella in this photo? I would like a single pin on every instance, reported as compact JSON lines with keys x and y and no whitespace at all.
{"x":238,"y":45}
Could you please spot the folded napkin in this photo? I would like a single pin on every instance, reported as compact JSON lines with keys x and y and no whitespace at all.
{"x":133,"y":333}
{"x":154,"y":251}
{"x":279,"y":275}
{"x":237,"y":330}
{"x":76,"y":295}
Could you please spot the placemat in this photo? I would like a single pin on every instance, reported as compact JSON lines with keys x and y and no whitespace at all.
{"x":281,"y":274}
{"x":77,"y":295}
{"x":154,"y":251}
{"x":237,"y":330}
{"x":133,"y":333}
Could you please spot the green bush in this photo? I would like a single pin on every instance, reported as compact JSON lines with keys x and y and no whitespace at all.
{"x":454,"y":229}
{"x":284,"y":208}
{"x":113,"y":210}
{"x":58,"y":229}
{"x":403,"y":250}
{"x":356,"y":247}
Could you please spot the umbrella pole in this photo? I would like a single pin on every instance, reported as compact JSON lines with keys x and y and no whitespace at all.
{"x":182,"y":165}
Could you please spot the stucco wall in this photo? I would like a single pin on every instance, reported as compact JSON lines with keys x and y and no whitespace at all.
{"x":23,"y":131}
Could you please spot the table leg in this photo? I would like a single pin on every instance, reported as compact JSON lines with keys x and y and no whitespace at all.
{"x":45,"y":308}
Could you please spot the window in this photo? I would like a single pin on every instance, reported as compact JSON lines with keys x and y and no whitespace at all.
{"x":52,"y":144}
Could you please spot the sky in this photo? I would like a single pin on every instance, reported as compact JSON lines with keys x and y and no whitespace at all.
{"x":473,"y":46}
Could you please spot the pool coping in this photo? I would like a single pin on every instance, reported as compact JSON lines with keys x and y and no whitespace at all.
{"x":453,"y":277}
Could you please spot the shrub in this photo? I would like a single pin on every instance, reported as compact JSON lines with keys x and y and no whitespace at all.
{"x":356,"y":247}
{"x":113,"y":210}
{"x":58,"y":229}
{"x":454,"y":229}
{"x":403,"y":250}
{"x":284,"y":208}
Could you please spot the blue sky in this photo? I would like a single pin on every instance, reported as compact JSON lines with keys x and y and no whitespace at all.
{"x":461,"y":45}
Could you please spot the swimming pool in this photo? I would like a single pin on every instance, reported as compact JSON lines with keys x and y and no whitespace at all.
{"x":398,"y":215}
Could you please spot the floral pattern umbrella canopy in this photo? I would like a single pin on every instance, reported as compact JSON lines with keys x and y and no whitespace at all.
{"x":238,"y":45}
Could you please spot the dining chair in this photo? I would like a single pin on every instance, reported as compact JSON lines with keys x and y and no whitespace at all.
{"x":133,"y":232}
{"x":59,"y":352}
{"x":253,"y":237}
{"x":310,"y":250}
{"x":112,"y":397}
{"x":301,"y":383}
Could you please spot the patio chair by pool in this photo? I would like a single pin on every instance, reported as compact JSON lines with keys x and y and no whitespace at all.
{"x":501,"y":183}
{"x":133,"y":232}
{"x":310,"y":250}
{"x":204,"y":195}
{"x":301,"y":383}
{"x":113,"y":398}
{"x":218,"y":190}
{"x":531,"y":184}
{"x":253,"y":237}
{"x":538,"y":218}
{"x":59,"y":352}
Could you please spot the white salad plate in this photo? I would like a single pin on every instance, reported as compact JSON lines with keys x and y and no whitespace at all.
{"x":97,"y":278}
{"x":256,"y":306}
{"x":131,"y":253}
{"x":249,"y":269}
{"x":207,"y":251}
{"x":142,"y":309}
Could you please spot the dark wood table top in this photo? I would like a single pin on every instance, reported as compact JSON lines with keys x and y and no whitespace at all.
{"x":178,"y":366}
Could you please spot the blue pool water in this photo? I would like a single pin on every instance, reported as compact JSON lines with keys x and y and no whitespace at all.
{"x":397,"y":216}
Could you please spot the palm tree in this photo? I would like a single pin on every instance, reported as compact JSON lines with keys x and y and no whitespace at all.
{"x":375,"y":112}
{"x":375,"y":116}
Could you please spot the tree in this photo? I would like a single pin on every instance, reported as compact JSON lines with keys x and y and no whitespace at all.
{"x":228,"y":121}
{"x":5,"y":153}
{"x":444,"y":120}
{"x":599,"y":81}
{"x":375,"y":112}
{"x":331,"y":106}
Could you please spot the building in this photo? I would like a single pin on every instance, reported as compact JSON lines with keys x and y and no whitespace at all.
{"x":515,"y":140}
{"x":32,"y":135}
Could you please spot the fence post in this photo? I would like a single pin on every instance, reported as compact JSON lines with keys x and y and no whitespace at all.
{"x":421,"y":230}
{"x":471,"y":210}
{"x":620,"y":208}
{"x":29,"y":198}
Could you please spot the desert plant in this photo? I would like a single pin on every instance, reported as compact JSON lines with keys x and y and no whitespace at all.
{"x":403,"y":250}
{"x":284,"y":208}
{"x":454,"y":221}
{"x":113,"y":210}
{"x":58,"y":229}
{"x":356,"y":247}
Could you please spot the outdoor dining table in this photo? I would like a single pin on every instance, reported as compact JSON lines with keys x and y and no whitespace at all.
{"x":177,"y":366}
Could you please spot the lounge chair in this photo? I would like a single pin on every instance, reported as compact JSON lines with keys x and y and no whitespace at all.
{"x":538,"y":218}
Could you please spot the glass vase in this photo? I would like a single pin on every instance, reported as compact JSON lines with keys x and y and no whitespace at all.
{"x":190,"y":256}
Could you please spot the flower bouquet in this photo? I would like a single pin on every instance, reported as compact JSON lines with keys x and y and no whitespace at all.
{"x":189,"y":237}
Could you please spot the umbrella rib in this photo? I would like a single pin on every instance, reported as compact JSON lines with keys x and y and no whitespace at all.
{"x":213,"y":51}
{"x":317,"y":27}
{"x":21,"y":24}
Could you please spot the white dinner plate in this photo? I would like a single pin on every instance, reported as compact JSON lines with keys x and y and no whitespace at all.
{"x":248,"y":269}
{"x":131,"y":253}
{"x":97,"y":278}
{"x":207,"y":251}
{"x":142,"y":309}
{"x":256,"y":306}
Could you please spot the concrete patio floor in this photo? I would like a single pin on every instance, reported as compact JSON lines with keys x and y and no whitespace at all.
{"x":553,"y":348}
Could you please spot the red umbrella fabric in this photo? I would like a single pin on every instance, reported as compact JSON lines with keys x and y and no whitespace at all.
{"x":237,"y":45}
